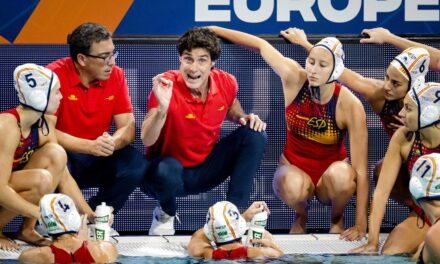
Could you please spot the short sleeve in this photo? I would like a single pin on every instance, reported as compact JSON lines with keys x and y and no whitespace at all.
{"x":123,"y":102}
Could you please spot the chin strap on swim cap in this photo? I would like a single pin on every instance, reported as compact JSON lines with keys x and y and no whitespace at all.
{"x":33,"y":84}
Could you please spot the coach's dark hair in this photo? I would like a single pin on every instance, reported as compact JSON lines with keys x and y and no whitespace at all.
{"x":84,"y":36}
{"x":200,"y":37}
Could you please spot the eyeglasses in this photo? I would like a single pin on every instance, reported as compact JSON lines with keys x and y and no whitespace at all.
{"x":107,"y":58}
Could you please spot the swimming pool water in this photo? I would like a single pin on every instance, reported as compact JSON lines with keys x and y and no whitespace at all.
{"x":300,"y":259}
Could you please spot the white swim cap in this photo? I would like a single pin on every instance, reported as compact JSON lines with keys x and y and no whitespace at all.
{"x":224,"y":223}
{"x":33,"y":84}
{"x":412,"y":63}
{"x":425,"y":178}
{"x":59,"y":214}
{"x":427,"y":98}
{"x":333,"y":45}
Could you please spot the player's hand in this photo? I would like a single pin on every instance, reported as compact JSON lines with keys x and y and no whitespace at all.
{"x":104,"y":145}
{"x":268,"y":241}
{"x":295,"y":36}
{"x":92,"y":218}
{"x":375,"y":35}
{"x":397,"y":123}
{"x":255,"y":208}
{"x":162,"y":89}
{"x":353,"y":233}
{"x":255,"y":122}
{"x":367,"y":248}
{"x":83,"y":229}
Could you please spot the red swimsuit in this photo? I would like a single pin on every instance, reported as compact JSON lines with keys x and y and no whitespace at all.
{"x":81,"y":255}
{"x":238,"y":253}
{"x":27,"y":146}
{"x":314,"y":140}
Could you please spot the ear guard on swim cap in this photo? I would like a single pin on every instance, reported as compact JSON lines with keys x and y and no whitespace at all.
{"x":427,"y":98}
{"x":425,"y":178}
{"x":59,"y":214}
{"x":224,"y":223}
{"x":412,"y":63}
{"x":333,"y":45}
{"x":33,"y":84}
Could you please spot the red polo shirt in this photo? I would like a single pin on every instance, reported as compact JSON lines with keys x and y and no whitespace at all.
{"x":87,"y":112}
{"x":192,"y":127}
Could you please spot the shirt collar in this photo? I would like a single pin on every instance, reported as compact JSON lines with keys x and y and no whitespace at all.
{"x":213,"y":89}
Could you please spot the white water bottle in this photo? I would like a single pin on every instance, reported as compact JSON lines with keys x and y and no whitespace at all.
{"x":256,"y":229}
{"x":102,"y":220}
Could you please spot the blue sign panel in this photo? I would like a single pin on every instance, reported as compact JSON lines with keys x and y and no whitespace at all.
{"x":173,"y":17}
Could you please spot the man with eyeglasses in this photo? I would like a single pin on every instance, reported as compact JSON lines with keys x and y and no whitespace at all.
{"x":95,"y":93}
{"x":185,"y":112}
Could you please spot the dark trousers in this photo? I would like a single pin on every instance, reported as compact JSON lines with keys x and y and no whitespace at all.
{"x":116,"y":176}
{"x":238,"y":155}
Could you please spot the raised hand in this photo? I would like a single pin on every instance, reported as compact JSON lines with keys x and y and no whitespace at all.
{"x":295,"y":36}
{"x":162,"y":89}
{"x":375,"y":35}
{"x":255,"y":208}
{"x":398,"y":122}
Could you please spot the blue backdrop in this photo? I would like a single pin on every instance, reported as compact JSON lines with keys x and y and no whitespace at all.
{"x":259,"y":92}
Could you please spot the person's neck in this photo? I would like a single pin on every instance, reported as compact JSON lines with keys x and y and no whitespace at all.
{"x":201,"y":93}
{"x":326,"y":92}
{"x":28,"y":117}
{"x":430,"y":136}
{"x":431,"y":209}
{"x":83,"y":75}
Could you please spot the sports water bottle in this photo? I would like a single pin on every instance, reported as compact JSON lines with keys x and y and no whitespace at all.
{"x":256,"y":229}
{"x":102,"y":226}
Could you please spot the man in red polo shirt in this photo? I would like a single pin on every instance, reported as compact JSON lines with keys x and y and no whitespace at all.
{"x":181,"y":130}
{"x":95,"y":93}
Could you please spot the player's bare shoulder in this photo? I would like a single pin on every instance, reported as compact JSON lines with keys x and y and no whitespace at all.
{"x":8,"y":125}
{"x":350,"y":104}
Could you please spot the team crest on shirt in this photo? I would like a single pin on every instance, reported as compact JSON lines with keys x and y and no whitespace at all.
{"x":190,"y":116}
{"x":317,"y":124}
{"x":221,"y":108}
{"x":25,"y":157}
{"x":72,"y":97}
{"x":110,"y":98}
